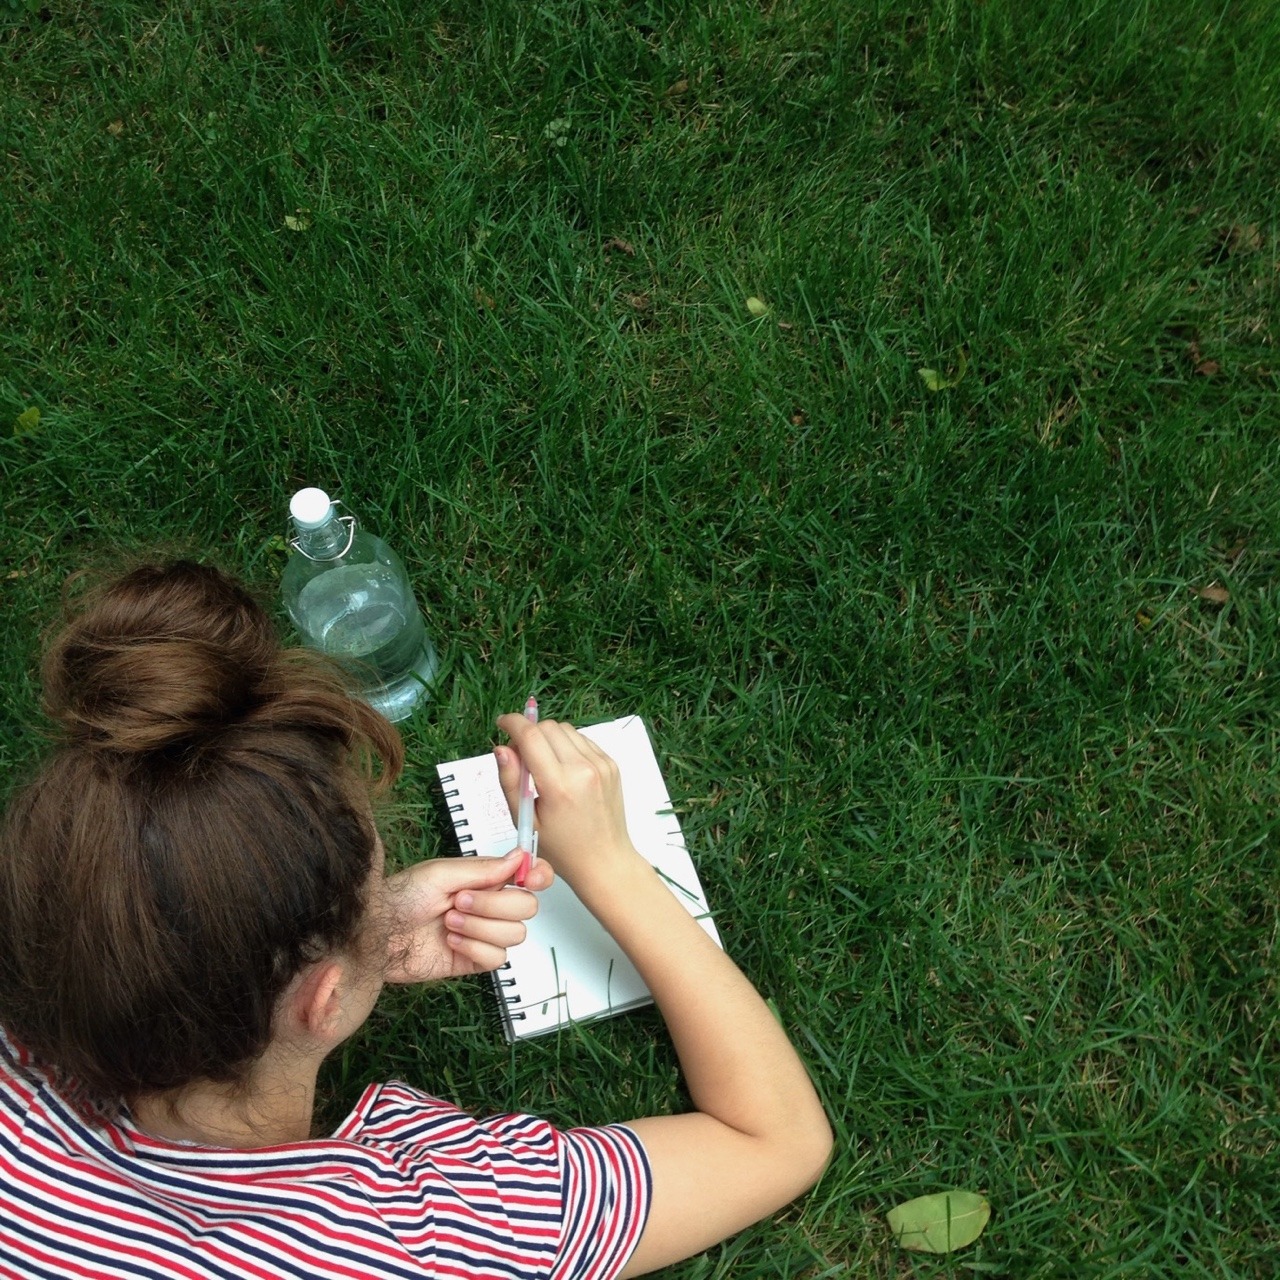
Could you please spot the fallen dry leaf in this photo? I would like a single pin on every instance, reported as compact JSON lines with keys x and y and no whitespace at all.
{"x":1214,"y":593}
{"x":620,"y":245}
{"x":638,"y":300}
{"x":680,"y":86}
{"x":1206,"y":368}
{"x":116,"y":128}
{"x":27,"y":423}
{"x":1242,"y":238}
{"x":936,"y":381}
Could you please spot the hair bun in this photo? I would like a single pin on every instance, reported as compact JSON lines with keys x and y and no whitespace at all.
{"x":163,"y":656}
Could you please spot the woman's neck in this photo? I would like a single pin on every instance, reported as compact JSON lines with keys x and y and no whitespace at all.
{"x":272,"y":1107}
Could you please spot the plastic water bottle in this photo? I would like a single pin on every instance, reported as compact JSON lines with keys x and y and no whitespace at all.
{"x":349,"y":596}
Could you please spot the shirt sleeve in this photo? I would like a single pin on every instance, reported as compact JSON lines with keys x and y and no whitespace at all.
{"x":608,"y":1186}
{"x":508,"y":1195}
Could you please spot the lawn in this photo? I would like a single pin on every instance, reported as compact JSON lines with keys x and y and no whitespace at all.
{"x":611,"y":318}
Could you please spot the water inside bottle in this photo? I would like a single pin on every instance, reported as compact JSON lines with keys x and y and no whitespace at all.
{"x":359,"y":615}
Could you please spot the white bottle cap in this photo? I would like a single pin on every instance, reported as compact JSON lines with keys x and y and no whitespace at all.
{"x":310,"y":508}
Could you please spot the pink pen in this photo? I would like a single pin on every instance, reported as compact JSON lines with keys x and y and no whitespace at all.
{"x":526,"y":837}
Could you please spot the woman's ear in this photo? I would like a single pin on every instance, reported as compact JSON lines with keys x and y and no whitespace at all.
{"x":314,"y":1006}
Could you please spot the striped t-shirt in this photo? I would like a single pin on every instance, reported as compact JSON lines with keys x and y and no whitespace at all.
{"x":407,"y":1187}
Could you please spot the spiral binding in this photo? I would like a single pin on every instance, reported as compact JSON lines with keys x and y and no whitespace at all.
{"x":465,"y":838}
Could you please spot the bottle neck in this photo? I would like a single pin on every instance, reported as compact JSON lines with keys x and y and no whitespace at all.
{"x":327,"y":542}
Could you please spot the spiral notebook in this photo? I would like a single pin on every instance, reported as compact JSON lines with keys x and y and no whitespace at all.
{"x":569,"y":969}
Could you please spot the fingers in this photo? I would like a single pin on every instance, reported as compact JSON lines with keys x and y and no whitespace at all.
{"x":529,"y":740}
{"x":495,"y":904}
{"x":540,"y":876}
{"x":482,"y":957}
{"x":460,"y":875}
{"x":484,"y":939}
{"x":509,"y":777}
{"x":547,"y":742}
{"x":483,"y":925}
{"x":497,"y":933}
{"x":552,"y":750}
{"x":546,"y":747}
{"x":496,"y":916}
{"x":457,"y":875}
{"x":581,"y":813}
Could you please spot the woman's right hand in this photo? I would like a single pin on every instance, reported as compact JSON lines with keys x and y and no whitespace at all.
{"x":582,"y":827}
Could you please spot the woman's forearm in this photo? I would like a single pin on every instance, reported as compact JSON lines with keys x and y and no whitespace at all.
{"x":738,"y":1063}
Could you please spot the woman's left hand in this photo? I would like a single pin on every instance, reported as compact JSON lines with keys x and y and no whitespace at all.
{"x":453,"y":916}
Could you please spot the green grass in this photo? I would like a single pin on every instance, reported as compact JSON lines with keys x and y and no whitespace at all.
{"x":975,"y":755}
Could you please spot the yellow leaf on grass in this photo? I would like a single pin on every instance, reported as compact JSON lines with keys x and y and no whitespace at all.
{"x":298,"y":220}
{"x":941,"y":1222}
{"x":936,"y":381}
{"x":757,"y":307}
{"x":27,"y":423}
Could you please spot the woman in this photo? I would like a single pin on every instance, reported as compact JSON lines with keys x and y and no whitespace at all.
{"x":194,"y":914}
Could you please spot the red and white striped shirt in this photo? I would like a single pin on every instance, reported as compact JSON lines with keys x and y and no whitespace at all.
{"x":407,"y":1187}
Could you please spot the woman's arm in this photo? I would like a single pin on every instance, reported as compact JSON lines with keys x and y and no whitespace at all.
{"x":759,"y":1136}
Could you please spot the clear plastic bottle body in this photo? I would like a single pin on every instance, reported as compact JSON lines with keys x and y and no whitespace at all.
{"x":349,"y":596}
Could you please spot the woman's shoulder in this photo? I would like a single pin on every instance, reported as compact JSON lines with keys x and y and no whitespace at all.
{"x":415,"y":1130}
{"x":396,"y":1113}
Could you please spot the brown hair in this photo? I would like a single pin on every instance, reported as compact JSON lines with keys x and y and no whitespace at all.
{"x":200,"y":833}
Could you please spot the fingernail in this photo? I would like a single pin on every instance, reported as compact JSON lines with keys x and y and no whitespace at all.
{"x":464,"y":901}
{"x":502,"y":753}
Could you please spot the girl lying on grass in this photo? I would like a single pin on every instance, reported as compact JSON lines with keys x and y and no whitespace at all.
{"x":194,"y":914}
